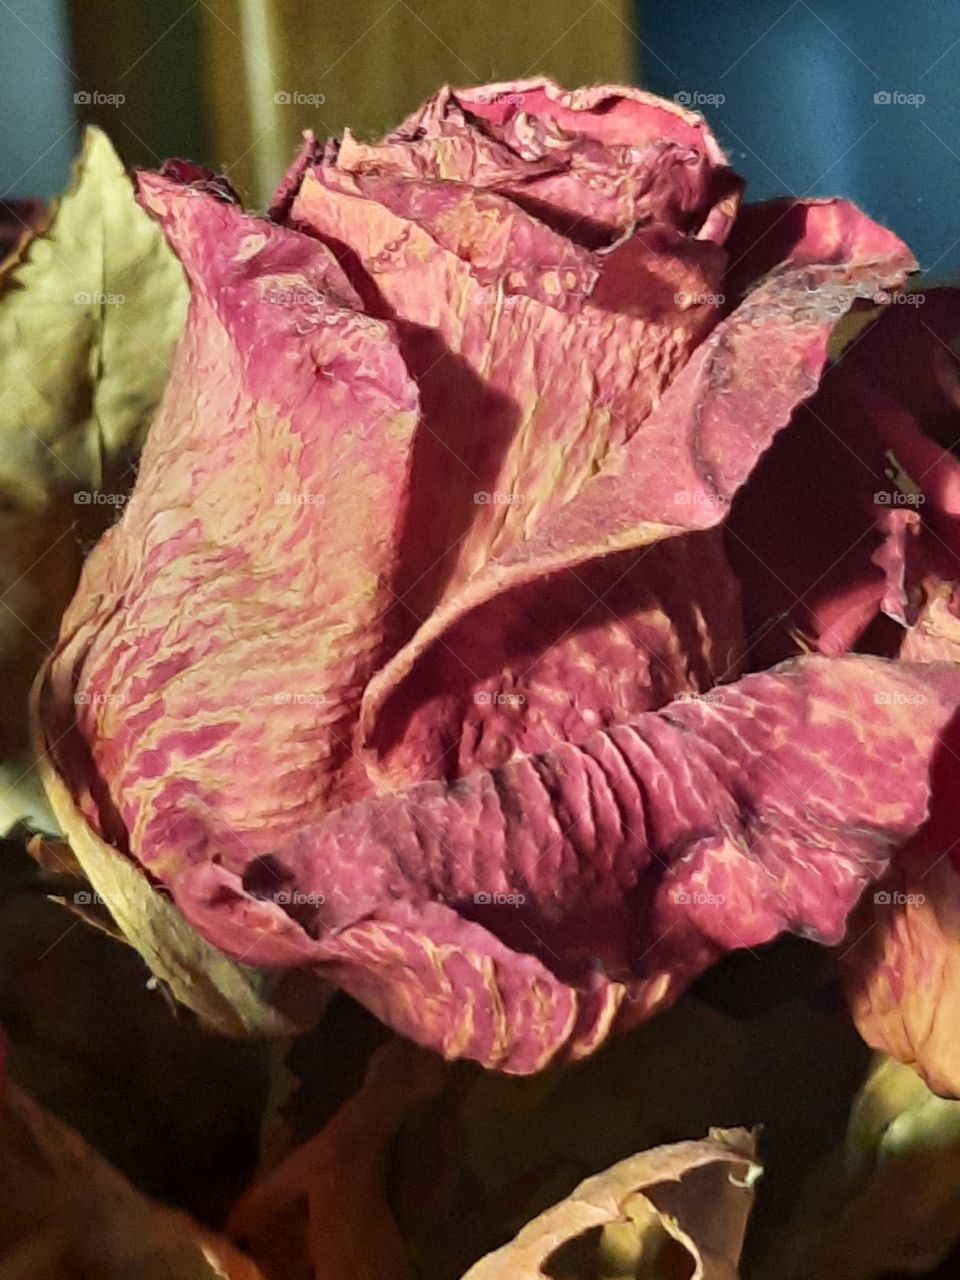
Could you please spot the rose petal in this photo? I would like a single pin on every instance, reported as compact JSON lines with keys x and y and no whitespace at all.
{"x":592,"y":164}
{"x":516,"y":916}
{"x":536,"y":361}
{"x":904,"y":969}
{"x":873,"y":442}
{"x":223,"y":632}
{"x":678,"y":473}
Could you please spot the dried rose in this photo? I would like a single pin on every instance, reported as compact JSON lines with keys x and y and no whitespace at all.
{"x":429,"y":528}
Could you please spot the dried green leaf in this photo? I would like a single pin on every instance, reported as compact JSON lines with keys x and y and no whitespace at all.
{"x":90,"y":311}
{"x":233,"y":998}
{"x":889,"y":1200}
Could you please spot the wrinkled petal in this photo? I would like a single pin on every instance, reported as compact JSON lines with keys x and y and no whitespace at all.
{"x":561,"y":355}
{"x":270,"y":498}
{"x":258,"y":460}
{"x":537,"y":360}
{"x":804,"y":233}
{"x":530,"y":379}
{"x":434,"y":503}
{"x":592,"y":164}
{"x":517,"y":915}
{"x":678,"y":473}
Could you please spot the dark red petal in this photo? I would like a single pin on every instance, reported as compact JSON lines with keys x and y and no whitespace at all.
{"x":865,"y":487}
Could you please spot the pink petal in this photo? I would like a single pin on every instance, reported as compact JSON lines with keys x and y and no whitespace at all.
{"x":519,"y":915}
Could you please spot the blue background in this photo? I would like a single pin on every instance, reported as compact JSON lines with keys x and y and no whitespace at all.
{"x":800,"y":117}
{"x":798,"y":80}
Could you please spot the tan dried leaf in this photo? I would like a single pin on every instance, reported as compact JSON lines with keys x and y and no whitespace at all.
{"x":233,"y":998}
{"x":677,"y":1210}
{"x":90,"y":311}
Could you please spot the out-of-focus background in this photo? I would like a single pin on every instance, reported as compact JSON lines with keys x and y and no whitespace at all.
{"x":844,"y":97}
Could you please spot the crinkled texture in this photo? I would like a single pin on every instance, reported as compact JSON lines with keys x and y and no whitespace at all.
{"x":563,"y":354}
{"x":558,"y":658}
{"x":131,"y":667}
{"x":593,"y":163}
{"x":557,"y":353}
{"x":252,"y":518}
{"x":561,"y":371}
{"x":677,"y":475}
{"x":442,"y":481}
{"x":518,"y":915}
